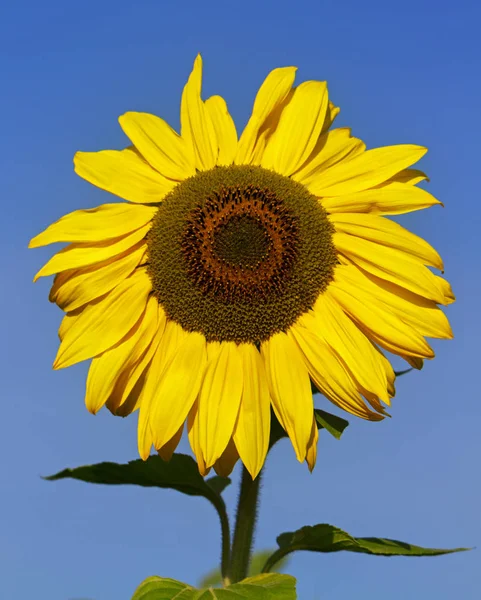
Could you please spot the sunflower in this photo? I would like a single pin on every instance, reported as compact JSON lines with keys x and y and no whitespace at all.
{"x":242,"y":269}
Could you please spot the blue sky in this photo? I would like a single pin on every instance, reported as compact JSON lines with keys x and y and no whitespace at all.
{"x":402,"y":73}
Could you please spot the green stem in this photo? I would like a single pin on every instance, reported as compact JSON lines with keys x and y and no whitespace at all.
{"x":273,"y":559}
{"x":244,"y":527}
{"x":225,"y":533}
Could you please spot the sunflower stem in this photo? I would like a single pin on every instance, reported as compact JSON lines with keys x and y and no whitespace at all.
{"x":244,"y":526}
{"x":225,"y":552}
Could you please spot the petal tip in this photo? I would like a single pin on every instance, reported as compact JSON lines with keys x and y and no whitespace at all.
{"x":123,"y":118}
{"x":78,"y":158}
{"x":253,"y":470}
{"x":144,"y":455}
{"x":144,"y":448}
{"x":37,"y":276}
{"x":198,"y":62}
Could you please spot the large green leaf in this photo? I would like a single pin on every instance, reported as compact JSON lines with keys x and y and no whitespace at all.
{"x":258,"y":561}
{"x":158,"y":588}
{"x":180,"y":473}
{"x":326,"y":538}
{"x":269,"y":586}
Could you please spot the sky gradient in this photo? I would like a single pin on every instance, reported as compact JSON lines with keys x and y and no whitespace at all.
{"x":401,"y":73}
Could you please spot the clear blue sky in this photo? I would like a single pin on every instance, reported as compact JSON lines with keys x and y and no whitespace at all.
{"x":403,"y":73}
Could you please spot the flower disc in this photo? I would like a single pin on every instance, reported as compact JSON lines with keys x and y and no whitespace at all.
{"x":238,"y":253}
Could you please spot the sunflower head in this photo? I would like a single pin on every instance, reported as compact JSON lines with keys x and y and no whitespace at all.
{"x":240,"y":270}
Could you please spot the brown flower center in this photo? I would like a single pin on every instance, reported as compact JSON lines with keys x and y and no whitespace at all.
{"x":238,"y":253}
{"x":240,"y":244}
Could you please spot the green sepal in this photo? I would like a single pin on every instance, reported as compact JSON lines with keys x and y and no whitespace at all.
{"x":180,"y":473}
{"x":327,"y":538}
{"x":404,"y":372}
{"x":332,"y":423}
{"x":258,"y":560}
{"x":218,"y":483}
{"x":324,"y":420}
{"x":269,"y":586}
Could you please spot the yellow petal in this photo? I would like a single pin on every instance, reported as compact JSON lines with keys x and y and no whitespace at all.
{"x":177,"y":388}
{"x":106,"y":369}
{"x":106,"y":321}
{"x":172,"y":336}
{"x":127,"y":393}
{"x":414,"y":361}
{"x":159,"y":144}
{"x":104,"y":222}
{"x":131,"y":402}
{"x":387,"y":233}
{"x":127,"y":398}
{"x":447,"y":292}
{"x":390,"y":264}
{"x":299,"y":128}
{"x":311,"y":455}
{"x":268,"y":129}
{"x":80,"y":254}
{"x":331,"y":148}
{"x":390,"y":375}
{"x":219,"y":399}
{"x":409,"y":176}
{"x":144,"y":433}
{"x":196,"y":124}
{"x":67,"y":322}
{"x":377,"y":321}
{"x":365,"y":170}
{"x":226,"y":463}
{"x":330,"y":375}
{"x":271,"y":95}
{"x":224,"y":128}
{"x":290,"y":390}
{"x":193,"y":432}
{"x":373,"y":400}
{"x":331,"y":114}
{"x":123,"y":173}
{"x":168,"y":449}
{"x":393,"y":198}
{"x":418,"y":312}
{"x":331,"y":325}
{"x":75,"y":287}
{"x":252,"y":431}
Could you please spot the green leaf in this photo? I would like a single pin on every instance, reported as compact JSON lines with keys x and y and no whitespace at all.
{"x":269,"y":586}
{"x":333,"y":424}
{"x":326,"y":538}
{"x":180,"y":473}
{"x":218,"y":483}
{"x":258,"y":561}
{"x":158,"y":588}
{"x":213,"y":577}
